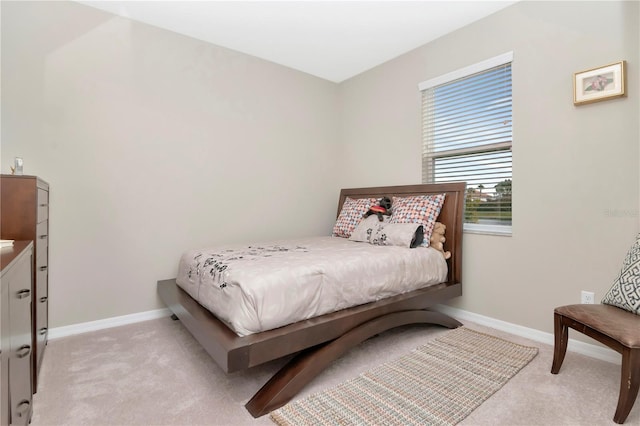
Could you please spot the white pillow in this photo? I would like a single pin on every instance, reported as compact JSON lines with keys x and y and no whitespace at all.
{"x":372,"y":231}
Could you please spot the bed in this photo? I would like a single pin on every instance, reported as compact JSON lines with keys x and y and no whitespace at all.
{"x":319,"y":340}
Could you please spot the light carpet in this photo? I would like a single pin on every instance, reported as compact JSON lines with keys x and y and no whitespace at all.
{"x":439,"y":383}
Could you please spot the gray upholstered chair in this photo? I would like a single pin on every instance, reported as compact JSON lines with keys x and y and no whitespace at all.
{"x":615,"y":323}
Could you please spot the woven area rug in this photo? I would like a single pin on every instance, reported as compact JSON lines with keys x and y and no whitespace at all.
{"x":439,"y":383}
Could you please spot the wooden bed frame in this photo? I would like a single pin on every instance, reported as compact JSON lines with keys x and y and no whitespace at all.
{"x":319,"y":341}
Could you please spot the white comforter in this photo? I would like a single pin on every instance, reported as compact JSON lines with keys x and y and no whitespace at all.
{"x":264,"y":286}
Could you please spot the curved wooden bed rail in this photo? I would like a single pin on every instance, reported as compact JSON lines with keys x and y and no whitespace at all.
{"x":234,"y":353}
{"x":302,"y":369}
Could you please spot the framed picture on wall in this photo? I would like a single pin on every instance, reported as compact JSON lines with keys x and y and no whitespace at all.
{"x":599,"y":84}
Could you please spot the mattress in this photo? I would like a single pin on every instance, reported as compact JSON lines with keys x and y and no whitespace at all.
{"x":259,"y":287}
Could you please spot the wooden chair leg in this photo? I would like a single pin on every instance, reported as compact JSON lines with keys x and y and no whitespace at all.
{"x":629,"y":384}
{"x":561,"y":337}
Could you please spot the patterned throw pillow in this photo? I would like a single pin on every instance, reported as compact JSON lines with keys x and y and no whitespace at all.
{"x":625,"y":292}
{"x":351,"y":214}
{"x":422,"y":209}
{"x":372,"y":231}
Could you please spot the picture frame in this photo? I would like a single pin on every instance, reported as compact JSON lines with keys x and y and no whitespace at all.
{"x":599,"y":84}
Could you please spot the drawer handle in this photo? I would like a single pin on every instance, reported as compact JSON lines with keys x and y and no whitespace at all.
{"x":43,"y":268}
{"x":44,"y":205}
{"x":42,"y":237}
{"x":23,"y":293}
{"x":23,"y":407}
{"x":43,"y":331}
{"x":23,"y":351}
{"x":43,"y":299}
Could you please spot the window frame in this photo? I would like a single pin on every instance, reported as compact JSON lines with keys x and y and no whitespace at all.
{"x":496,"y":61}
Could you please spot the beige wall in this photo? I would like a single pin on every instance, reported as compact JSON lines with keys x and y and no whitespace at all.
{"x":576,"y":181}
{"x":154,"y":143}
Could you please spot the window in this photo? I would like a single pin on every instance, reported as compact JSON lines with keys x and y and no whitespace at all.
{"x":467,"y":136}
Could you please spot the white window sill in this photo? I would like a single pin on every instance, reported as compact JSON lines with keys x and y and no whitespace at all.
{"x":499,"y":230}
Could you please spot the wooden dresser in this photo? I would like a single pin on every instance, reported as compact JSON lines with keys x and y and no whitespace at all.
{"x":24,"y":208}
{"x":16,"y":279}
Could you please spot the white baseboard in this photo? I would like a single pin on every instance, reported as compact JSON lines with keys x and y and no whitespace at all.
{"x":598,"y":352}
{"x":85,"y":327}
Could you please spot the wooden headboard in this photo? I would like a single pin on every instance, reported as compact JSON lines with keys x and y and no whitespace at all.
{"x":450,"y":215}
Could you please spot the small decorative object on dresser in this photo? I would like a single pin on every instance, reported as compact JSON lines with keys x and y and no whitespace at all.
{"x":24,"y":207}
{"x":16,"y":267}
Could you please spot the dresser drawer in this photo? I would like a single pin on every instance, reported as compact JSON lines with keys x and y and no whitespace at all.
{"x":42,"y":322}
{"x":42,"y":237}
{"x":42,"y":258}
{"x":42,"y":277}
{"x":41,"y":330}
{"x":43,"y":205}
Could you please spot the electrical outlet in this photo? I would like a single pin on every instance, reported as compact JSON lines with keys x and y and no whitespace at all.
{"x":587,"y":297}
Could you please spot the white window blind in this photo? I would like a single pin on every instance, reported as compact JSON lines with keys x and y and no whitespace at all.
{"x":467,"y":136}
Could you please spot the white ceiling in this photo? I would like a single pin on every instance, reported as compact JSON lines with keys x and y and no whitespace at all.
{"x":334,"y":40}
